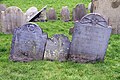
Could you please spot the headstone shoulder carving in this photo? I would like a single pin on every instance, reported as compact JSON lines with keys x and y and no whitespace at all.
{"x":28,"y":43}
{"x":51,"y":14}
{"x":65,"y":14}
{"x":90,"y":39}
{"x":12,"y":18}
{"x":57,"y":48}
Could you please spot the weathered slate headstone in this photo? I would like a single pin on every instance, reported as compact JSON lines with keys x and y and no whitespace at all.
{"x":51,"y":15}
{"x":39,"y":16}
{"x":111,"y":10}
{"x":12,"y":18}
{"x":78,"y":12}
{"x":31,"y":11}
{"x":57,"y":48}
{"x":90,"y":39}
{"x":65,"y":14}
{"x":28,"y":43}
{"x":2,"y":8}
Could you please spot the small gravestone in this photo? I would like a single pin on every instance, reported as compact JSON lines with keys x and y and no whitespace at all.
{"x":110,"y":9}
{"x":90,"y":39}
{"x":28,"y":43}
{"x":57,"y":48}
{"x":78,"y":12}
{"x":31,"y":11}
{"x":12,"y":18}
{"x":51,"y":15}
{"x":2,"y":8}
{"x":40,"y":16}
{"x":65,"y":14}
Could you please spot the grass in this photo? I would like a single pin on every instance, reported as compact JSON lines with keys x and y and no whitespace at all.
{"x":47,"y":70}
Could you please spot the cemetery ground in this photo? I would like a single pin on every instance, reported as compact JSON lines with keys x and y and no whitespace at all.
{"x":54,"y":70}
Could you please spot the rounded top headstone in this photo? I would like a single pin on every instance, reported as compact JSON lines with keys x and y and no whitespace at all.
{"x":31,"y":11}
{"x":51,"y":14}
{"x":94,"y":19}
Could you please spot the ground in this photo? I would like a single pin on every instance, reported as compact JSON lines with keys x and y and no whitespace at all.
{"x":47,"y":70}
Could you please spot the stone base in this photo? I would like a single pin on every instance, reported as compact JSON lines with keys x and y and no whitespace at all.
{"x":83,"y":58}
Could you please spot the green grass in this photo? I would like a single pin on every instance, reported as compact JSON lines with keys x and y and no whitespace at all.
{"x":47,"y":70}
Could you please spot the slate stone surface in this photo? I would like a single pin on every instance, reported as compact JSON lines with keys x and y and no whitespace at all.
{"x":28,"y":43}
{"x":90,"y":39}
{"x":57,"y":48}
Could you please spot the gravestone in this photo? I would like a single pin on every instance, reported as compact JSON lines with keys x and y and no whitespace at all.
{"x":2,"y":8}
{"x":12,"y":18}
{"x":65,"y":14}
{"x":57,"y":48}
{"x":111,"y":10}
{"x":51,"y":15}
{"x":31,"y":11}
{"x":78,"y":12}
{"x":39,"y":16}
{"x":28,"y":43}
{"x":90,"y":39}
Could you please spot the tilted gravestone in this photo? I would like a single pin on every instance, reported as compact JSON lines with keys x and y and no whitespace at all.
{"x":78,"y":12}
{"x":90,"y":39}
{"x":110,"y":9}
{"x":39,"y":16}
{"x":28,"y":43}
{"x":51,"y":14}
{"x":12,"y":18}
{"x":65,"y":14}
{"x":31,"y":11}
{"x":2,"y":8}
{"x":57,"y":48}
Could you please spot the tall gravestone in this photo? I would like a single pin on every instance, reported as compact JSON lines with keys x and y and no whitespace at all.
{"x":57,"y":48}
{"x":51,"y":14}
{"x":65,"y":14}
{"x":12,"y":18}
{"x":2,"y":8}
{"x":90,"y":39}
{"x":110,"y":9}
{"x":28,"y":43}
{"x":78,"y":12}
